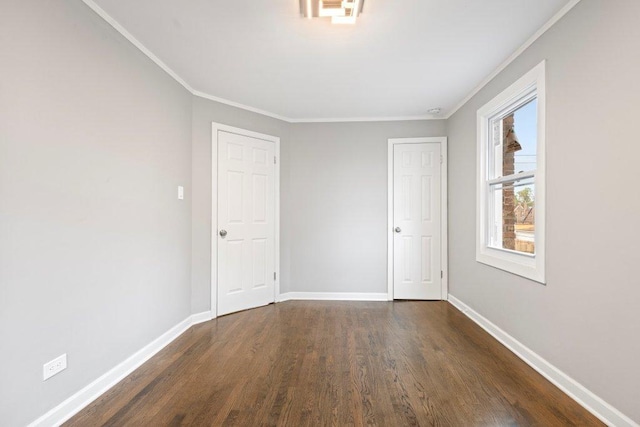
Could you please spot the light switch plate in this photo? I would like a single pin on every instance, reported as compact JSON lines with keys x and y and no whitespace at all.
{"x":180,"y":192}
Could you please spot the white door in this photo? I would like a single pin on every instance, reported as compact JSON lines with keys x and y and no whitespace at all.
{"x":416,"y":221}
{"x":246,"y":222}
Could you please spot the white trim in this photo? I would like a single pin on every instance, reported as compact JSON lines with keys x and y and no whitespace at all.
{"x":332,"y":296}
{"x":525,"y":265}
{"x":127,"y":35}
{"x":366,"y":119}
{"x":390,"y":224}
{"x":444,"y":218}
{"x":205,"y":316}
{"x":589,"y":400}
{"x":215,"y":128}
{"x":313,"y":120}
{"x":241,"y":106}
{"x":74,"y":404}
{"x":555,"y":18}
{"x":444,"y":247}
{"x":276,"y":177}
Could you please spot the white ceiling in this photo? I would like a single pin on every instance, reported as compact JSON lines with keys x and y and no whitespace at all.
{"x":400,"y":59}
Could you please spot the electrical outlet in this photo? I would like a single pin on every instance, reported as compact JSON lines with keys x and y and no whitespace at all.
{"x":180,"y":192}
{"x":53,"y":367}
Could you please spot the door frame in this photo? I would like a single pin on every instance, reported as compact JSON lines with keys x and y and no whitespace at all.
{"x":444,"y":238}
{"x":215,"y":128}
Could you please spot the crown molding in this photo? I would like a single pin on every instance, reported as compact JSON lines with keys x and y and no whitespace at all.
{"x":514,"y":55}
{"x":310,"y":120}
{"x":365,"y":119}
{"x":118,"y":27}
{"x":127,"y":35}
{"x":200,"y":94}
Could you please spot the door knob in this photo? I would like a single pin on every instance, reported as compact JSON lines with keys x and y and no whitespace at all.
{"x":223,"y":233}
{"x":398,"y":230}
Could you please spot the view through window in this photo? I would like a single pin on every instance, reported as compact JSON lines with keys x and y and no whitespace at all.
{"x":512,"y":168}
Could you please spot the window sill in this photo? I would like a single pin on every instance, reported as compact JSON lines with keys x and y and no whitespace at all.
{"x":524,"y":265}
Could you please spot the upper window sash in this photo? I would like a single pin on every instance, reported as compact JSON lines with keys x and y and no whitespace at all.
{"x":526,"y":95}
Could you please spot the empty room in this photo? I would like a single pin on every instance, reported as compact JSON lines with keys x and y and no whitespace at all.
{"x":314,"y":213}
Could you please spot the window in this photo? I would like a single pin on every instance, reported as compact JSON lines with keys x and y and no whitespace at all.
{"x":511,"y":178}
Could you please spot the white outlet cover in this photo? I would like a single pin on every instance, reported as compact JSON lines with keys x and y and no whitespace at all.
{"x":180,"y":192}
{"x":54,"y":367}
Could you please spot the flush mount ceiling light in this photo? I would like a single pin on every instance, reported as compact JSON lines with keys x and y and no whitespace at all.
{"x":340,"y":11}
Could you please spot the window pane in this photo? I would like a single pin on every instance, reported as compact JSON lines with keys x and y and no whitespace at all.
{"x":512,"y":215}
{"x":514,"y":141}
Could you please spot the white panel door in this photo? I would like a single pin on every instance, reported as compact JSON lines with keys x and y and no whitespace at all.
{"x":246,"y":222}
{"x":416,"y":219}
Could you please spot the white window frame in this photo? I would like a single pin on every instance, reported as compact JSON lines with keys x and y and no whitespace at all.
{"x":522,"y":264}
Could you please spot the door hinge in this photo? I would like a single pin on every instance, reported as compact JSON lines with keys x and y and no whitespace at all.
{"x":274,"y":160}
{"x":441,"y":159}
{"x":441,"y":274}
{"x":274,"y":276}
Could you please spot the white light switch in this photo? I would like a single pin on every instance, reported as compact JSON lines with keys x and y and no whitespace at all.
{"x":180,"y":192}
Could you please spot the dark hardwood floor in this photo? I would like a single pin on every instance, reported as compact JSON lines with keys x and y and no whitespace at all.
{"x":336,"y":363}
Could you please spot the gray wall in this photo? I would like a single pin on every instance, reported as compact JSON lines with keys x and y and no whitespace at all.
{"x":585,"y":320}
{"x":333,"y":185}
{"x":94,"y":245}
{"x":204,"y":112}
{"x":94,"y":139}
{"x":334,"y":204}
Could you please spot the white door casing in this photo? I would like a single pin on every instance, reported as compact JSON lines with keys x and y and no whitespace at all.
{"x":417,"y":219}
{"x":244,"y":227}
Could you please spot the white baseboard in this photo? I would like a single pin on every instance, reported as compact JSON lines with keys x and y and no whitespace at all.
{"x":205,"y":316}
{"x":333,"y":296}
{"x":88,"y":394}
{"x":591,"y":402}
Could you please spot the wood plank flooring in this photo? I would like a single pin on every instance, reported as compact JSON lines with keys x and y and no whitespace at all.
{"x":311,"y":363}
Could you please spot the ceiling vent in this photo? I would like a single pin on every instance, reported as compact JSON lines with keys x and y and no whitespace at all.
{"x":340,"y":12}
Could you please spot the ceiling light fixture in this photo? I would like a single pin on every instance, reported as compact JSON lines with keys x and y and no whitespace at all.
{"x":340,"y":11}
{"x":331,"y":11}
